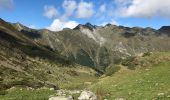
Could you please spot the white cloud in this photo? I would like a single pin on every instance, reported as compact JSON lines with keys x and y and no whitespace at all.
{"x":85,"y":10}
{"x":102,"y":8}
{"x":32,"y":26}
{"x":101,"y":14}
{"x":70,"y":24}
{"x":58,"y":25}
{"x":50,"y":11}
{"x":69,"y":7}
{"x":113,"y":22}
{"x":123,"y":2}
{"x":145,"y":8}
{"x":6,"y":4}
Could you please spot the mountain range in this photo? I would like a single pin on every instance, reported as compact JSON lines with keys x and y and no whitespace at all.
{"x":38,"y":57}
{"x":99,"y":46}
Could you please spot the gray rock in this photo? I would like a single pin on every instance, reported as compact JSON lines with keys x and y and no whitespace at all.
{"x":61,"y":98}
{"x":87,"y":95}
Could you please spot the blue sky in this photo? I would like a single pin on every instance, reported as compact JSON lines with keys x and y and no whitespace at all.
{"x":58,"y":14}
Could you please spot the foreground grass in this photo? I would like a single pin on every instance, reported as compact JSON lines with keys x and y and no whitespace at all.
{"x":151,"y":83}
{"x":25,"y":94}
{"x":77,"y":82}
{"x":141,"y":84}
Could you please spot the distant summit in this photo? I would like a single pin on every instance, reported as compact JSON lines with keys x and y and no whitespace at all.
{"x":87,"y":25}
{"x":19,"y":26}
{"x":165,"y":30}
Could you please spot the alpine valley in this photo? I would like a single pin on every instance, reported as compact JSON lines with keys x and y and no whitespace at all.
{"x":114,"y":62}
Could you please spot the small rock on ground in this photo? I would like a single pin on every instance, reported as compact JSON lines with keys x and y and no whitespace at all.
{"x":61,"y":98}
{"x":87,"y":95}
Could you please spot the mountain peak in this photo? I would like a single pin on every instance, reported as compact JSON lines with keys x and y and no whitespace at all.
{"x":165,"y":27}
{"x":78,"y":27}
{"x":19,"y":26}
{"x":108,"y":24}
{"x":87,"y":26}
{"x":90,"y":26}
{"x":1,"y":19}
{"x":165,"y":30}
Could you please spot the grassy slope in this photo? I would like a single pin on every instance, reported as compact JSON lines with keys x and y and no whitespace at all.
{"x":24,"y":94}
{"x":24,"y":63}
{"x":131,"y":84}
{"x":140,"y":84}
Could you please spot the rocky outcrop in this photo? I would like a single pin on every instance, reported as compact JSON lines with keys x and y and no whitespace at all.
{"x":68,"y":95}
{"x":87,"y":95}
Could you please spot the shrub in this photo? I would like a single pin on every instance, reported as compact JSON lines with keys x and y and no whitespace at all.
{"x":146,"y":54}
{"x":3,"y":92}
{"x":131,"y":62}
{"x":112,"y":69}
{"x":72,"y":73}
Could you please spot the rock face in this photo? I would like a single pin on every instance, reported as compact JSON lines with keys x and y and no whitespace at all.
{"x":87,"y":95}
{"x":61,"y":98}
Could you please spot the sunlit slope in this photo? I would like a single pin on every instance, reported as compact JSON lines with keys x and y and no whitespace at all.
{"x":149,"y":82}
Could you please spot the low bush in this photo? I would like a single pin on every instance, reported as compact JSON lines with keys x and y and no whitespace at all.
{"x":146,"y":54}
{"x":112,"y":69}
{"x":131,"y":62}
{"x":3,"y":92}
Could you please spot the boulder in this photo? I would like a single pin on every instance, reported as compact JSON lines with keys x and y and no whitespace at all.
{"x":61,"y":98}
{"x":87,"y":95}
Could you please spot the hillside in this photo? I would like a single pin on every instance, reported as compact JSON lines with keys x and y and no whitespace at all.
{"x":24,"y":62}
{"x":150,"y":82}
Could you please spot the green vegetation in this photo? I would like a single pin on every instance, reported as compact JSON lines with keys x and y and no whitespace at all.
{"x":112,"y":69}
{"x":146,"y":82}
{"x":27,"y":94}
{"x":130,"y":62}
{"x":146,"y":54}
{"x":70,"y":59}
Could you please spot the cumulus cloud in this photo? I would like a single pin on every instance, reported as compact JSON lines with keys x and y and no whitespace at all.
{"x":69,"y":7}
{"x":123,"y":2}
{"x":113,"y":22}
{"x":101,"y":14}
{"x":50,"y":11}
{"x":32,"y":26}
{"x":6,"y":4}
{"x":70,"y":24}
{"x":102,"y":8}
{"x":58,"y":25}
{"x":84,"y":10}
{"x":144,"y":8}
